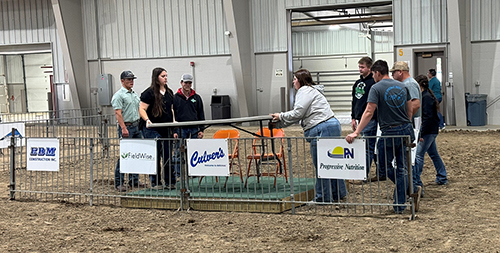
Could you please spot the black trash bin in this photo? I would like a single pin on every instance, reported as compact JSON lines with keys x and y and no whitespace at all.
{"x":221,"y":107}
{"x":476,"y":109}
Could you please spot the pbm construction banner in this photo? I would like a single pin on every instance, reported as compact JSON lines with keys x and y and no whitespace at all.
{"x":138,"y":156}
{"x":340,"y":160}
{"x":207,"y":157}
{"x":43,"y":154}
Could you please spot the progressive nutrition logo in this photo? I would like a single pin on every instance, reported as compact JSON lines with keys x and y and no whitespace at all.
{"x":341,"y":153}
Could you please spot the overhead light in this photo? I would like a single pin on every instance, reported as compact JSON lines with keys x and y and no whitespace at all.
{"x":334,"y":27}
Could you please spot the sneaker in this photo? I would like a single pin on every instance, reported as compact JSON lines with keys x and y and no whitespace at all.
{"x":377,"y":178}
{"x":159,"y":187}
{"x":416,"y":197}
{"x":170,"y":187}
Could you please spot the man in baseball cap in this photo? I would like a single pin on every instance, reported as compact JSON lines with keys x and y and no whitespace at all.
{"x":127,"y":74}
{"x":400,"y":72}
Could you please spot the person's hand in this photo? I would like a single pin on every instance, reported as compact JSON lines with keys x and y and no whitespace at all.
{"x":276,"y":116}
{"x":350,"y":138}
{"x":200,"y":135}
{"x":124,"y":132}
{"x":176,"y":136}
{"x":421,"y":140}
{"x":148,"y":122}
{"x":354,"y":125}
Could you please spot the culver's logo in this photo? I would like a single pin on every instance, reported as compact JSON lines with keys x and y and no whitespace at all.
{"x":137,"y":156}
{"x":206,"y":157}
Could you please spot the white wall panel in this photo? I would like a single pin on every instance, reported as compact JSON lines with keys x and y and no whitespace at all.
{"x":328,"y":42}
{"x":485,"y":20}
{"x":155,"y":28}
{"x":31,"y":21}
{"x":419,"y":22}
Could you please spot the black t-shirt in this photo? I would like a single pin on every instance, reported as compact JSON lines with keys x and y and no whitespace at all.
{"x":148,"y":97}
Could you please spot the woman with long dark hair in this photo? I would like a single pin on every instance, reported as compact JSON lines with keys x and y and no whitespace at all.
{"x":428,"y":133}
{"x":317,"y":119}
{"x":156,"y":107}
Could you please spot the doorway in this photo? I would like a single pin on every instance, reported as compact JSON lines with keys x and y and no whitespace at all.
{"x":426,"y":60}
{"x":26,"y":83}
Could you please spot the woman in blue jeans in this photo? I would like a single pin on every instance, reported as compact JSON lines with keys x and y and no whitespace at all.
{"x":317,"y":119}
{"x":428,"y":133}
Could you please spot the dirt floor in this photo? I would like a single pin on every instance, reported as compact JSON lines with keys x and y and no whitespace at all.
{"x":459,"y":217}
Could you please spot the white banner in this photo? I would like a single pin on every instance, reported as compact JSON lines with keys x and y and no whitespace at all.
{"x":138,"y":156}
{"x":43,"y":154}
{"x":207,"y":157}
{"x":6,"y":133}
{"x":341,"y":160}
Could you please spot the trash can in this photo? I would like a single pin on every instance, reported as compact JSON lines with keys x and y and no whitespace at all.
{"x":476,"y":109}
{"x":221,"y":107}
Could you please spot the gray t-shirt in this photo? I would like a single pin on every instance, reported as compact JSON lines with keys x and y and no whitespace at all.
{"x":415,"y":93}
{"x":391,"y":97}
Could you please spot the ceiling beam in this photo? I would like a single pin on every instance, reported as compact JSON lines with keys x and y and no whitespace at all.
{"x":344,"y":21}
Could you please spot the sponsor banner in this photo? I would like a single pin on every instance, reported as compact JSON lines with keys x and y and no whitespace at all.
{"x":138,"y":156}
{"x":207,"y":157}
{"x":6,"y":133}
{"x":338,"y":159}
{"x":43,"y":154}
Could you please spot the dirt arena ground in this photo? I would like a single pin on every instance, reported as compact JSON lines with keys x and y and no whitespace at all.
{"x":462,"y":216}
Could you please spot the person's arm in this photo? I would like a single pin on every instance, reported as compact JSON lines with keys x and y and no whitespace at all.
{"x":409,"y":108}
{"x":201,"y":116}
{"x":143,"y":107}
{"x":367,"y":116}
{"x":353,"y":105}
{"x":415,"y":105}
{"x":119,"y":118}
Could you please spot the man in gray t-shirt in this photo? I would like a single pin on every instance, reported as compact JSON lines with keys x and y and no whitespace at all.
{"x":392,"y":101}
{"x":401,"y":72}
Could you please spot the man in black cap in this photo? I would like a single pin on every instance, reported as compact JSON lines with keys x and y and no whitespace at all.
{"x":126,"y":104}
{"x":188,"y":106}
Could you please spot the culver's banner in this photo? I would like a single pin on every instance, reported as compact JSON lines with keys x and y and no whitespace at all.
{"x":340,"y":160}
{"x":207,"y":157}
{"x":138,"y":156}
{"x":43,"y":154}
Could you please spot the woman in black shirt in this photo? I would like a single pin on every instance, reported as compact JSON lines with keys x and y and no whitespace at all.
{"x":156,"y":107}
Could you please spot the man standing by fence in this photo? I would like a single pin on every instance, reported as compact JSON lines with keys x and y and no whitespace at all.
{"x":188,"y":106}
{"x":126,"y":104}
{"x":392,"y":98}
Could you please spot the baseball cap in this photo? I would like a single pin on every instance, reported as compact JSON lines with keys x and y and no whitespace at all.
{"x":400,"y":65}
{"x":127,"y":74}
{"x":187,"y":78}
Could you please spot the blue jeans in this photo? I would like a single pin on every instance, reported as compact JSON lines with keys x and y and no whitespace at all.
{"x":162,"y":155}
{"x":184,"y":133}
{"x":388,"y":148}
{"x":325,"y":187}
{"x":133,"y":179}
{"x":429,"y":146}
{"x":441,"y":119}
{"x":370,"y":131}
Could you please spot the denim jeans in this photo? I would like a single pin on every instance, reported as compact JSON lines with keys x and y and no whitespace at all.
{"x":162,"y":158}
{"x":184,"y":133}
{"x":429,"y":146}
{"x":133,"y":179}
{"x":388,"y":148}
{"x":325,"y":187}
{"x":370,"y":131}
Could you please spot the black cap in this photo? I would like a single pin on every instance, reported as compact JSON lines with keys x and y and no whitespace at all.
{"x":127,"y":74}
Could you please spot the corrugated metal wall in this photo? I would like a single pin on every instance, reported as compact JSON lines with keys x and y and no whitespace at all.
{"x":419,"y":22}
{"x":31,"y":21}
{"x":485,"y":20}
{"x":315,"y":43}
{"x":312,"y":43}
{"x":155,"y":28}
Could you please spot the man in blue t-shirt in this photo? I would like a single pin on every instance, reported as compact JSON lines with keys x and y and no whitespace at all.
{"x":392,"y":98}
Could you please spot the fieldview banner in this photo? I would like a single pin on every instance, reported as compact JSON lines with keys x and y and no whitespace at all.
{"x":43,"y":154}
{"x":6,"y":133}
{"x":207,"y":157}
{"x":341,"y":160}
{"x":138,"y":156}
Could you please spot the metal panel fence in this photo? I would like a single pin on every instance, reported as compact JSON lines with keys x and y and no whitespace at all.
{"x":282,"y":181}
